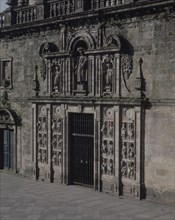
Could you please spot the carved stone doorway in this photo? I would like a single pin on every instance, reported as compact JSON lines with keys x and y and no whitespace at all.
{"x":7,"y":149}
{"x":81,"y":149}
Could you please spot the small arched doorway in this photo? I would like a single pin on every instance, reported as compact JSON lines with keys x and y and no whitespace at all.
{"x":7,"y":140}
{"x":7,"y":149}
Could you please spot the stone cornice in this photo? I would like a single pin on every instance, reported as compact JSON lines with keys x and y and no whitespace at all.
{"x":96,"y":100}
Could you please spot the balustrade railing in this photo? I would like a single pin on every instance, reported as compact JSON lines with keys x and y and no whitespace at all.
{"x":21,"y":14}
{"x":26,"y":15}
{"x":2,"y":17}
{"x":98,"y":4}
{"x":61,"y":8}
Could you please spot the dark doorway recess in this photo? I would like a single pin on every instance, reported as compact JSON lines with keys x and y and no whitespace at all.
{"x":6,"y":149}
{"x":81,"y":148}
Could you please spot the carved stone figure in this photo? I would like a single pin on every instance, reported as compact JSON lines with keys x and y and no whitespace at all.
{"x":110,"y":129}
{"x":107,"y":75}
{"x":123,"y":168}
{"x":54,"y":142}
{"x":131,"y":170}
{"x":124,"y":151}
{"x":110,"y":167}
{"x":44,"y":157}
{"x":54,"y":158}
{"x":104,"y":167}
{"x":131,"y":154}
{"x":123,"y":131}
{"x":56,"y":79}
{"x":59,"y":126}
{"x":81,"y":67}
{"x":130,"y":131}
{"x":110,"y":148}
{"x":104,"y":129}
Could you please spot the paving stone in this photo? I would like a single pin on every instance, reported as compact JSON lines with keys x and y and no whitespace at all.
{"x":30,"y":200}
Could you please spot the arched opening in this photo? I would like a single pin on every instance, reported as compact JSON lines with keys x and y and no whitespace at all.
{"x":8,"y":140}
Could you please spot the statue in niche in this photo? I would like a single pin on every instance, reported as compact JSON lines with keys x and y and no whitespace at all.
{"x":108,"y":75}
{"x":56,"y":79}
{"x":81,"y":69}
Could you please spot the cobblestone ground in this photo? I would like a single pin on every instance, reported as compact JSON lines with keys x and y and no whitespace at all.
{"x":23,"y":199}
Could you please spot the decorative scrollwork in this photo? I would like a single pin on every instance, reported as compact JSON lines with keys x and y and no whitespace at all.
{"x":43,"y":69}
{"x":126,"y":67}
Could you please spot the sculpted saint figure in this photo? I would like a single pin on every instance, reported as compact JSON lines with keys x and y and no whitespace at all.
{"x":81,"y":67}
{"x":57,"y":78}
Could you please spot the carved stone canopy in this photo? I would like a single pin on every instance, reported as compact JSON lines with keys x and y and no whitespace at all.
{"x":113,"y":42}
{"x":9,"y":117}
{"x":48,"y":48}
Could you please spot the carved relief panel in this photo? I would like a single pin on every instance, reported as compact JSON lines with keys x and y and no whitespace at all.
{"x":107,"y":148}
{"x":56,"y":140}
{"x":128,"y":148}
{"x":42,"y":135}
{"x":130,"y":151}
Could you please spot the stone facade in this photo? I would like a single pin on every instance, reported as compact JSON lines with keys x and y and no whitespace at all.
{"x":110,"y":59}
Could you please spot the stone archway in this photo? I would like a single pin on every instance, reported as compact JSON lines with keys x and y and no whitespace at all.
{"x":8,"y":122}
{"x":81,"y":36}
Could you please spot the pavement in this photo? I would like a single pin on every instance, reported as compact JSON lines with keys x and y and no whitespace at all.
{"x":25,"y":199}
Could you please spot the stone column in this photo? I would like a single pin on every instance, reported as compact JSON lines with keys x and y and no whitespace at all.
{"x":97,"y":155}
{"x":116,"y":78}
{"x":9,"y":18}
{"x":40,"y":9}
{"x":91,"y":75}
{"x":117,"y":150}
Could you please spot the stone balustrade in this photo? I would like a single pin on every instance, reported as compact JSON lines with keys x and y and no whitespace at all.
{"x":61,"y":8}
{"x":97,"y":4}
{"x":26,"y":15}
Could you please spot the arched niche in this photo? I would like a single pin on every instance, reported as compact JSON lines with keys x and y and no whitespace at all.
{"x":81,"y":37}
{"x":79,"y":62}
